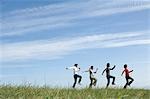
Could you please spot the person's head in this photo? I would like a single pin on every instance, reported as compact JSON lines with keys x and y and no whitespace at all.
{"x":91,"y":67}
{"x":125,"y":66}
{"x":108,"y":65}
{"x":75,"y":65}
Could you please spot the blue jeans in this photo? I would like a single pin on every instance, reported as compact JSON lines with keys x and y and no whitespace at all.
{"x":75,"y":79}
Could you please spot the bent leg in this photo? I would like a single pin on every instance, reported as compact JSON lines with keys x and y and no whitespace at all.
{"x":95,"y":81}
{"x":130,"y":81}
{"x":113,"y":82}
{"x":80,"y":78}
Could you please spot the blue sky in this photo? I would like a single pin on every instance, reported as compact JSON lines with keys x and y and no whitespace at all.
{"x":39,"y":38}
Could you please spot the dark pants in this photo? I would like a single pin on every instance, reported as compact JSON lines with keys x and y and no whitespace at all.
{"x":75,"y":79}
{"x":128,"y":82}
{"x":108,"y":80}
{"x":93,"y":82}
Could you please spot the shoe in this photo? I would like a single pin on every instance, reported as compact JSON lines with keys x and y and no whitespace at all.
{"x":129,"y":85}
{"x":94,"y":84}
{"x":113,"y":84}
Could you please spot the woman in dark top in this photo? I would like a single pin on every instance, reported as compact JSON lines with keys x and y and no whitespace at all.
{"x":108,"y":76}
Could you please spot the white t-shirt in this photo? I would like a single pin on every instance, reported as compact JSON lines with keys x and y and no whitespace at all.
{"x":75,"y":69}
{"x":92,"y":73}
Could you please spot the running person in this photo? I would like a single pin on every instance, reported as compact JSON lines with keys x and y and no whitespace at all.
{"x":127,"y":76}
{"x":75,"y":69}
{"x":93,"y":80}
{"x":108,"y":76}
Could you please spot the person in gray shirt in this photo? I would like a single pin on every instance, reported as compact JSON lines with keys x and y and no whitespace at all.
{"x":108,"y":76}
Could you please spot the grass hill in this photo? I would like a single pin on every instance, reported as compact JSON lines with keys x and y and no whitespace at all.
{"x":32,"y":92}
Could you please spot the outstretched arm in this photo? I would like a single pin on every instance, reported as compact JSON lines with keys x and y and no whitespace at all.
{"x":113,"y":67}
{"x":69,"y":68}
{"x":103,"y":71}
{"x":130,"y":71}
{"x":86,"y":71}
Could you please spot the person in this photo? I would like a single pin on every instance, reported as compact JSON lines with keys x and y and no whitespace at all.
{"x":108,"y":76}
{"x":93,"y":80}
{"x":127,"y":76}
{"x":75,"y":69}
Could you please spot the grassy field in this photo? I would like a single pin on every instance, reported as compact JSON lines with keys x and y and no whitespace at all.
{"x":32,"y":92}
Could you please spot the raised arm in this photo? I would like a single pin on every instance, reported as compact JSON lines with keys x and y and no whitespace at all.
{"x":96,"y":70}
{"x":103,"y":71}
{"x":113,"y":67}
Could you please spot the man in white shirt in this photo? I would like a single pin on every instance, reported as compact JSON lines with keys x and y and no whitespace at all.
{"x":75,"y":69}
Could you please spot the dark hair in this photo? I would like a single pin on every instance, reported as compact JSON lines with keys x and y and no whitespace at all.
{"x":75,"y":64}
{"x":108,"y":64}
{"x":91,"y":67}
{"x":125,"y":66}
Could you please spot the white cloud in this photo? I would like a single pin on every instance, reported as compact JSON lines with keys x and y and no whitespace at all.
{"x":62,"y":15}
{"x":47,"y":49}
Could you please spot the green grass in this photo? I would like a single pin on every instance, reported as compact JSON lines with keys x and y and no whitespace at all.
{"x":34,"y":92}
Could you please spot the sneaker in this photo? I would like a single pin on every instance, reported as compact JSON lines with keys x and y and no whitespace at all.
{"x":94,"y":84}
{"x":73,"y":87}
{"x":129,"y":85}
{"x":113,"y":84}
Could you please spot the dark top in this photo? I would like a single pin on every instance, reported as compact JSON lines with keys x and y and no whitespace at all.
{"x":108,"y":70}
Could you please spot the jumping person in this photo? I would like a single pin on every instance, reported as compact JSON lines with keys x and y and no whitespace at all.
{"x":108,"y":76}
{"x":127,"y":76}
{"x":75,"y":69}
{"x":93,"y":80}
